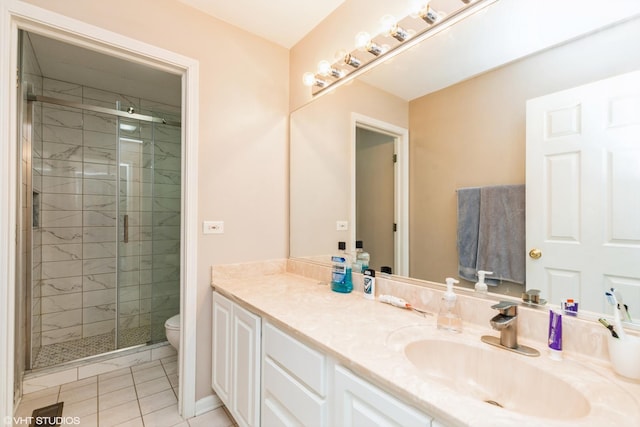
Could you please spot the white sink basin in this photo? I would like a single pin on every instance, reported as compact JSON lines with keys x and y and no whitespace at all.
{"x":498,"y":377}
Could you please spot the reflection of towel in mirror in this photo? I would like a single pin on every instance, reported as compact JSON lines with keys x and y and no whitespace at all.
{"x":468,"y":222}
{"x":501,"y":233}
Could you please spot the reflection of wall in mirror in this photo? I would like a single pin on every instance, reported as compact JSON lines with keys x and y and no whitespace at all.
{"x":321,"y":166}
{"x":473,"y":134}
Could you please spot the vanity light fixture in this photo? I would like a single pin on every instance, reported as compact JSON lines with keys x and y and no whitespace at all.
{"x":429,"y":15}
{"x":364,"y":43}
{"x":310,"y":79}
{"x":325,"y":69}
{"x":349,"y":59}
{"x":406,"y":38}
{"x":391,"y":28}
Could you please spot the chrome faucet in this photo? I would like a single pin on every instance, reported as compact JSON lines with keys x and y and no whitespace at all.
{"x":506,"y":321}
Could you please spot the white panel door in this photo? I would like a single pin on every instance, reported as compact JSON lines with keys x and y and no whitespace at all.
{"x":221,"y":347}
{"x":245,"y":386}
{"x":583,"y":192}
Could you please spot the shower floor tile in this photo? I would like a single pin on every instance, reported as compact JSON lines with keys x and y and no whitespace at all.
{"x":54,"y":354}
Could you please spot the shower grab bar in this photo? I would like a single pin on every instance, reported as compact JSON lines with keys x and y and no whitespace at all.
{"x":126,"y":229}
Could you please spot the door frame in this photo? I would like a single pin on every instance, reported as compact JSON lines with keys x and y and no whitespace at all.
{"x":16,"y":15}
{"x":401,"y":185}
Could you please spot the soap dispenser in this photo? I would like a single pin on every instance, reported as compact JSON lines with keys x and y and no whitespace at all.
{"x":448,"y":317}
{"x":481,"y":286}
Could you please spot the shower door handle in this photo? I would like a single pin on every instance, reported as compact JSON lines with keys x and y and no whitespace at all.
{"x":126,"y":229}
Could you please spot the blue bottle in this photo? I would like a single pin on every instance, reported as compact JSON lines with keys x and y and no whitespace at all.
{"x":341,"y":271}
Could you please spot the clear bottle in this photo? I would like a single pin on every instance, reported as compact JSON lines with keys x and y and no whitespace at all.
{"x":341,"y":271}
{"x":361,"y":259}
{"x":481,"y":286}
{"x":449,"y":317}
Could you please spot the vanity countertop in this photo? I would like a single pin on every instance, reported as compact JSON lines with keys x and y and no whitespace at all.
{"x":369,"y":337}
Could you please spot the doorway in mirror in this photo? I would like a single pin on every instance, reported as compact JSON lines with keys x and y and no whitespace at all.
{"x":379,"y":208}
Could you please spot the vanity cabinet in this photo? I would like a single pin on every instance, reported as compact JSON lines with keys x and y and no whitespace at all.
{"x":235,"y":373}
{"x":294,"y":382}
{"x":303,"y":387}
{"x":357,"y":403}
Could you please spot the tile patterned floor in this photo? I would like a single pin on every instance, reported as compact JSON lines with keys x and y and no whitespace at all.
{"x":55,"y":354}
{"x":141,"y":396}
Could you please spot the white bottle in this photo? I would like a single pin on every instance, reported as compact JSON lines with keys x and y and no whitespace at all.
{"x":481,"y":287}
{"x":448,"y":317}
{"x":369,"y":284}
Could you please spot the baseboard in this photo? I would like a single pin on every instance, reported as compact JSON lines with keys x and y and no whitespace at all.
{"x":207,"y":404}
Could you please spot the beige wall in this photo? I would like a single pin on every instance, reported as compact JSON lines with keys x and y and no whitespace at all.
{"x":243,"y":132}
{"x":473,"y":134}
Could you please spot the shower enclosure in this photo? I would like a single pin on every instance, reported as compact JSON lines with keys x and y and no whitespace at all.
{"x":101,"y":200}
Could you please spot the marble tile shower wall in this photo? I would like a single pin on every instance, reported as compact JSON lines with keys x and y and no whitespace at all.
{"x":80,"y":218}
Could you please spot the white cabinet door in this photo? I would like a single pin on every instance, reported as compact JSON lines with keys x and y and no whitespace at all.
{"x":360,"y":404}
{"x":221,"y":347}
{"x":235,"y":370}
{"x":245,"y":386}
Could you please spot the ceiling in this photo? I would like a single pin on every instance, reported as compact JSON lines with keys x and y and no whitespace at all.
{"x":270,"y":20}
{"x":62,"y":61}
{"x":284,"y":22}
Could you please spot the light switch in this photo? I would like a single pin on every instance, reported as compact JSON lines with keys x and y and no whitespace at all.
{"x":342,"y":225}
{"x":213,"y":227}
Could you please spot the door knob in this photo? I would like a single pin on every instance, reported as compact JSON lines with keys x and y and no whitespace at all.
{"x":535,"y":253}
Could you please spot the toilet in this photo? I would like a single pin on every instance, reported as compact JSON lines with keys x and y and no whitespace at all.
{"x":172,"y":329}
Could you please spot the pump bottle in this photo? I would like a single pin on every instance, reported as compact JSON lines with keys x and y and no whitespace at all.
{"x":481,"y":286}
{"x":449,"y":317}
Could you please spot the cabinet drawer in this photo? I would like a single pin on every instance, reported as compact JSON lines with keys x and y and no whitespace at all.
{"x":286,"y":402}
{"x":301,"y":362}
{"x":360,"y":404}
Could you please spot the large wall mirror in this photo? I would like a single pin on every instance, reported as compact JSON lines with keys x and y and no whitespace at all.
{"x":461,"y":96}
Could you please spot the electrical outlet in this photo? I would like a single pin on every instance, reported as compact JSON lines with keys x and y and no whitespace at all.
{"x":213,"y":227}
{"x":342,"y":225}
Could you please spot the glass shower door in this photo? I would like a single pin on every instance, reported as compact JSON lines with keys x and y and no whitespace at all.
{"x":135,"y":190}
{"x":149,"y":236}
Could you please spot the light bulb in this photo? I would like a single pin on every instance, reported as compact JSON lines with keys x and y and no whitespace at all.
{"x":309,"y":79}
{"x":416,"y":7}
{"x":362,"y":40}
{"x":388,"y":23}
{"x":324,"y":68}
{"x":339,"y":55}
{"x":391,"y":28}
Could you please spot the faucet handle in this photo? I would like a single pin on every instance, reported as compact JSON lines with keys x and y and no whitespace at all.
{"x":506,"y":308}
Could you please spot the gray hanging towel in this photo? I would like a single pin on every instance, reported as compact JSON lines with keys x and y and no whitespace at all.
{"x":468,"y":223}
{"x":501,"y":233}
